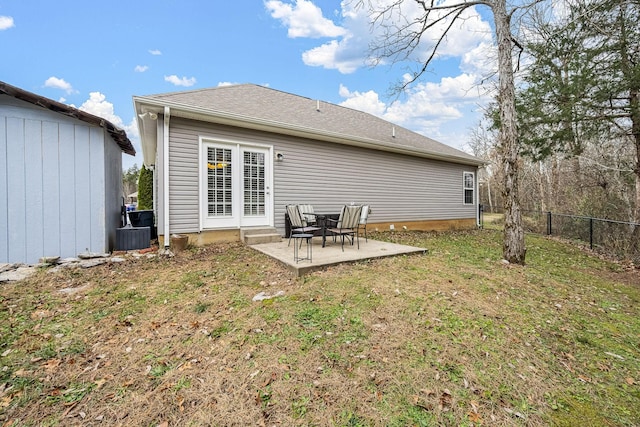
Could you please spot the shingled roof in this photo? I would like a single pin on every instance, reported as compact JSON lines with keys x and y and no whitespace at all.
{"x":119,"y":135}
{"x":259,"y":107}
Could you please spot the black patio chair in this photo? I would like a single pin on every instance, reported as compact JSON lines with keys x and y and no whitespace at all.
{"x":347,"y":224}
{"x":364,"y":216}
{"x":307,"y":214}
{"x":298,"y":223}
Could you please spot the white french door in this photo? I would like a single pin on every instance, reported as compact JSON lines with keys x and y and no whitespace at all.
{"x":235,"y":185}
{"x":256,"y":189}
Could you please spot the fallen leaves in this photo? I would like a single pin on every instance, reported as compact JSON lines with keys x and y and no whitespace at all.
{"x":254,"y":348}
{"x":22,"y":373}
{"x":474,"y":417}
{"x":41,"y":314}
{"x":445,"y":400}
{"x":51,"y":365}
{"x":185,"y":366}
{"x":514,"y":413}
{"x":100,"y":382}
{"x":584,"y":378}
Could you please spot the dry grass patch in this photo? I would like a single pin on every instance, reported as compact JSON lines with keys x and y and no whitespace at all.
{"x":451,"y":338}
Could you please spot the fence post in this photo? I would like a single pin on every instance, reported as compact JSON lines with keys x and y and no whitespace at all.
{"x":591,"y":233}
{"x":549,"y":223}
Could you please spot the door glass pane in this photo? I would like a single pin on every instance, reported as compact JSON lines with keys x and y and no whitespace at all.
{"x":219,"y":184}
{"x":254,"y":171}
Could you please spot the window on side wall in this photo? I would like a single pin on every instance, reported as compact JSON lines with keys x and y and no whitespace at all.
{"x":468,"y":184}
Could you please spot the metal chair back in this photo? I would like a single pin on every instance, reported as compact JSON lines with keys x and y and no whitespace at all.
{"x":294,"y":217}
{"x":351,"y":216}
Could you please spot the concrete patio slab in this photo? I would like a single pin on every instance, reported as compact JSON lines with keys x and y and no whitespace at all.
{"x":332,"y":253}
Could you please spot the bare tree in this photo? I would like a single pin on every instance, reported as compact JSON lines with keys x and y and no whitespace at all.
{"x":403,"y":36}
{"x":482,"y":144}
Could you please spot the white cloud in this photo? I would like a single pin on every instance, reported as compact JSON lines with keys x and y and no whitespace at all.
{"x":303,"y":19}
{"x":141,"y":68}
{"x":434,"y":109}
{"x":132,"y":131}
{"x":155,"y":52}
{"x":481,"y":59}
{"x":184,"y":81}
{"x":57,"y":83}
{"x":6,"y":22}
{"x":559,"y":10}
{"x":467,"y":33}
{"x":338,"y":55}
{"x":350,"y":48}
{"x":98,"y":105}
{"x":443,"y":108}
{"x":369,"y":102}
{"x":441,"y":100}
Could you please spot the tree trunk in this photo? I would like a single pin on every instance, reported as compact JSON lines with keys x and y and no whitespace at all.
{"x":513,"y":246}
{"x":542,"y":187}
{"x":634,"y":103}
{"x":630,"y":72}
{"x":489,"y":195}
{"x":637,"y":173}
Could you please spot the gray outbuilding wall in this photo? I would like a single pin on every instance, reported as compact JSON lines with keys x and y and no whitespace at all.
{"x":60,"y":184}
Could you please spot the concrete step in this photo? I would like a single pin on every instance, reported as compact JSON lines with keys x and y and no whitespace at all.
{"x":256,"y":235}
{"x":255,"y":239}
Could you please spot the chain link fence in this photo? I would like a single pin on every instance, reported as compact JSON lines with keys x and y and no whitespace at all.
{"x":618,"y":239}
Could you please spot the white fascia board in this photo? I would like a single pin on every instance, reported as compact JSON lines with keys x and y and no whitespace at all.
{"x":148,"y":129}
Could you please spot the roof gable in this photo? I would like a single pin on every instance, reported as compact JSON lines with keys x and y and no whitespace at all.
{"x":253,"y":103}
{"x":119,"y":135}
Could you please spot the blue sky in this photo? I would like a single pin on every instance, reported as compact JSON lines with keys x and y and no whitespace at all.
{"x":97,"y":55}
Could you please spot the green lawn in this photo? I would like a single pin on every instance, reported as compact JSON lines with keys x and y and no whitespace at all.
{"x":455,"y":337}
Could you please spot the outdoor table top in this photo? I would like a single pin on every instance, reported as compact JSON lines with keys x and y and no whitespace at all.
{"x":323,"y":216}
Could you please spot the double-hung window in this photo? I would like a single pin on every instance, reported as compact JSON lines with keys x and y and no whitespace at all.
{"x":468,"y":187}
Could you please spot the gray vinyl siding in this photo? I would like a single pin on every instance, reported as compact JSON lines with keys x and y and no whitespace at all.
{"x":113,"y":190}
{"x":53,"y":198}
{"x":327,"y":175}
{"x":397,"y":187}
{"x":184,"y":181}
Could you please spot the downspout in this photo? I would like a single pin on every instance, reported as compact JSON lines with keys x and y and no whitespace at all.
{"x":165,"y":147}
{"x":154,"y":191}
{"x":476,"y":193}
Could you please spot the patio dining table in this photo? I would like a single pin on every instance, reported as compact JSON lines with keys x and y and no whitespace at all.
{"x":323,"y":223}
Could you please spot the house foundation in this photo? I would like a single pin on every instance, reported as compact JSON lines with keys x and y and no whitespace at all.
{"x":234,"y":235}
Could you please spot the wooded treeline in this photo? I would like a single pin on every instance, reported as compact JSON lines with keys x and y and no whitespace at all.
{"x":578,"y":114}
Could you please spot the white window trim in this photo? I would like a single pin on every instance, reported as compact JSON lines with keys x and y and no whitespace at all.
{"x":472,"y":188}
